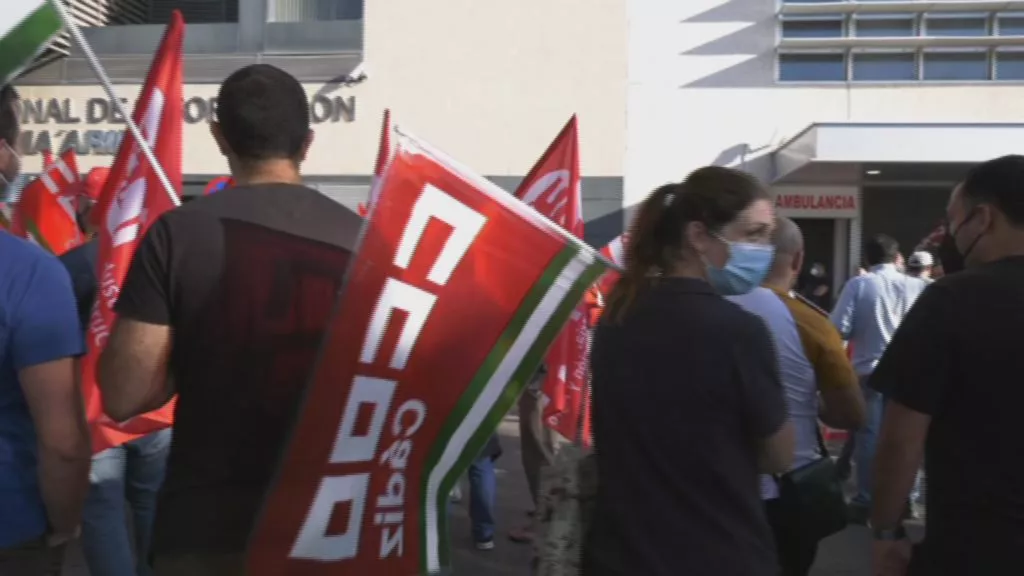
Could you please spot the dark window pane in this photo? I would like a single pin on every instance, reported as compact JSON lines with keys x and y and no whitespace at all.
{"x":812,"y":68}
{"x":884,"y":67}
{"x":812,"y":28}
{"x":1009,"y":65}
{"x":1011,"y":26}
{"x":884,"y":27}
{"x":955,"y":66}
{"x":971,"y":26}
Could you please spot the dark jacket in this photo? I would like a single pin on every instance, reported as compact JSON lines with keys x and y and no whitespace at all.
{"x":81,"y":265}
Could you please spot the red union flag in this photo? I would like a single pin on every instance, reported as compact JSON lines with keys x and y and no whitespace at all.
{"x":428,"y":350}
{"x":553,"y":188}
{"x":615,"y":252}
{"x":132,"y":198}
{"x":45,"y":213}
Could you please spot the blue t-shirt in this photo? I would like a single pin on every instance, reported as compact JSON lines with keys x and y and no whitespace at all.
{"x":38,"y":324}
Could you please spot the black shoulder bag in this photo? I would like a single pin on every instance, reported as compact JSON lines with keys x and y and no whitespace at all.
{"x":811,"y":496}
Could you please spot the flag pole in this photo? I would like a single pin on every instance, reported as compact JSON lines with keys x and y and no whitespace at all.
{"x":108,"y":87}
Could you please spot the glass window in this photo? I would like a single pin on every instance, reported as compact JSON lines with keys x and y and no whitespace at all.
{"x":804,"y":67}
{"x":884,"y":66}
{"x":314,"y":10}
{"x":955,"y":66}
{"x":956,"y":25}
{"x":804,"y":28}
{"x":898,"y":27}
{"x":1010,"y":25}
{"x":1009,"y":65}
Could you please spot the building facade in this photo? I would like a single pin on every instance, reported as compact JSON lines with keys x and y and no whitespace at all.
{"x":862,"y":114}
{"x":489,"y":84}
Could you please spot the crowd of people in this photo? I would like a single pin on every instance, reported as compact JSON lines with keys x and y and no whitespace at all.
{"x":711,"y":375}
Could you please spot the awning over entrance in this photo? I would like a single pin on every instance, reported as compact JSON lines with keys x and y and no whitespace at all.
{"x":850,"y":154}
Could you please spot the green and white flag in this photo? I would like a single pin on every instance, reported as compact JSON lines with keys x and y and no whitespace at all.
{"x":26,"y":28}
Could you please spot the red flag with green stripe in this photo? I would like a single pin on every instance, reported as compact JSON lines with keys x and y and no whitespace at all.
{"x":45,"y":213}
{"x":454,"y":296}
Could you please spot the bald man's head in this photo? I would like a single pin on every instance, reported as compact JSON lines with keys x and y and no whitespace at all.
{"x":788,"y":239}
{"x":789,"y":254}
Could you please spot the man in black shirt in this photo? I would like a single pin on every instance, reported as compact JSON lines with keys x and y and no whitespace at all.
{"x":952,"y":377}
{"x":225,"y":304}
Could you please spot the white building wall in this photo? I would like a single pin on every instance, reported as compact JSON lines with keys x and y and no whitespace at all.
{"x":702,"y":90}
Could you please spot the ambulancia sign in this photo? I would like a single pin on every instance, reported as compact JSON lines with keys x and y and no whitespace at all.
{"x":817,"y":201}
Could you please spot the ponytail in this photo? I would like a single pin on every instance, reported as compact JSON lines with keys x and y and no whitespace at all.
{"x":645,"y":252}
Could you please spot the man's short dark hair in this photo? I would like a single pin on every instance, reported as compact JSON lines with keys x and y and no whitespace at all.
{"x":999,"y":182}
{"x":263,"y":113}
{"x":881,"y":249}
{"x":8,"y":114}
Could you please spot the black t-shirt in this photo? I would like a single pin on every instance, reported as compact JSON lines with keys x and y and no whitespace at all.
{"x":247,"y":278}
{"x":81,"y":265}
{"x":957,"y":357}
{"x":682,"y":391}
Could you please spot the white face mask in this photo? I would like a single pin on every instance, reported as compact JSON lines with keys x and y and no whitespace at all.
{"x":10,"y":169}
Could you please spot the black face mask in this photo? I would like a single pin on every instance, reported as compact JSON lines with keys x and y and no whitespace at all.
{"x":951,"y":259}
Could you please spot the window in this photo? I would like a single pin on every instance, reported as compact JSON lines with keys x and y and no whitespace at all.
{"x":956,"y":25}
{"x":884,"y":66}
{"x":955,"y":66}
{"x":812,"y":28}
{"x":887,"y":26}
{"x":1009,"y":65}
{"x":314,"y":10}
{"x":812,"y":67}
{"x":1010,"y":25}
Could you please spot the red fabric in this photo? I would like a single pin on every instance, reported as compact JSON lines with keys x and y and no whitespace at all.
{"x":383,"y":156}
{"x":131,"y":199}
{"x":45,"y":212}
{"x":553,"y":188}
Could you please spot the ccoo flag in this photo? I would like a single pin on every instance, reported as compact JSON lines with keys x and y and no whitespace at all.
{"x":430,"y":346}
{"x":26,"y":28}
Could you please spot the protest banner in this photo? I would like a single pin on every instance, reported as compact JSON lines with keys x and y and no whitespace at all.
{"x":45,"y":213}
{"x":133,"y":197}
{"x":454,"y":295}
{"x":383,"y":155}
{"x":552,"y":187}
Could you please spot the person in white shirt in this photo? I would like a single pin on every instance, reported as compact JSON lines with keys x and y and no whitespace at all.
{"x":920,"y":265}
{"x":870,"y":308}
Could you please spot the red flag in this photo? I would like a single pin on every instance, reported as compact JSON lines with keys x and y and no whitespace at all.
{"x":553,"y":188}
{"x":217,"y":184}
{"x":615,"y":252}
{"x":45,"y":212}
{"x":427,"y":352}
{"x":383,"y":155}
{"x":131,"y":199}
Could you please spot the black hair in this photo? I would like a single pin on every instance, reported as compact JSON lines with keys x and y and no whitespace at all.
{"x":9,"y":115}
{"x":999,"y":182}
{"x":712,"y":195}
{"x":881,"y":249}
{"x":263,"y":113}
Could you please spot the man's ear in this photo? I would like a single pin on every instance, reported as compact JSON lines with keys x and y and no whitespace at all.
{"x":305,"y":146}
{"x":218,"y":137}
{"x":798,"y":262}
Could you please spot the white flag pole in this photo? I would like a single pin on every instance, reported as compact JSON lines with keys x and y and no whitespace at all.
{"x":108,"y":87}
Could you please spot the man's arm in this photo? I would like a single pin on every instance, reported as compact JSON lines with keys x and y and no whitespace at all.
{"x":45,"y":339}
{"x":913,"y":375}
{"x":844,"y":312}
{"x":763,"y":402}
{"x":133,"y":369}
{"x":842,"y":399}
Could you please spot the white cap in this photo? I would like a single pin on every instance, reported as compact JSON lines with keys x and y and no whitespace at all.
{"x":921,"y":259}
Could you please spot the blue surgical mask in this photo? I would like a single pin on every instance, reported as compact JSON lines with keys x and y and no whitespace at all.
{"x":747,"y":267}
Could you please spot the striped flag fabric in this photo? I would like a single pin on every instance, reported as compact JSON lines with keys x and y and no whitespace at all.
{"x":427,"y":351}
{"x":44,"y":213}
{"x":26,"y":28}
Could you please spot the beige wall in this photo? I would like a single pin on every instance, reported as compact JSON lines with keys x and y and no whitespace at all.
{"x":490,"y":87}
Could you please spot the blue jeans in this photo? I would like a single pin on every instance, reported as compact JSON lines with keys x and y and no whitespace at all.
{"x":132,"y":472}
{"x":482,"y":485}
{"x":866,"y":441}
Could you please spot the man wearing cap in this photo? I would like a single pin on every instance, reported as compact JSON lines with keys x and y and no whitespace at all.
{"x":920,"y":265}
{"x":132,"y":472}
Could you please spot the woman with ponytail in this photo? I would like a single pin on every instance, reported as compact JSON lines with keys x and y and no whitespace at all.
{"x":688,"y":407}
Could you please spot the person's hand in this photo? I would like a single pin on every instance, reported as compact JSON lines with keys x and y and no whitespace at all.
{"x":890,"y":557}
{"x":55,"y":539}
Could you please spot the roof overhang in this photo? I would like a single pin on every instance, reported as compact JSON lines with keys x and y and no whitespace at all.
{"x":900,"y":6}
{"x":839,"y":153}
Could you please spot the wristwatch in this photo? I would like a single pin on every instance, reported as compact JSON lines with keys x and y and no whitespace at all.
{"x":888,"y":534}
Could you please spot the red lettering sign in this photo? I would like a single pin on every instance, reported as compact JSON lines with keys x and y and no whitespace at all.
{"x":816,"y":201}
{"x":455,"y":294}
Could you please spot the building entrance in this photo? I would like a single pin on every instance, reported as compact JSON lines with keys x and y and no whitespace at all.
{"x":819,"y":246}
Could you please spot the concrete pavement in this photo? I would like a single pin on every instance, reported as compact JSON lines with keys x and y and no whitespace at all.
{"x":845,"y":554}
